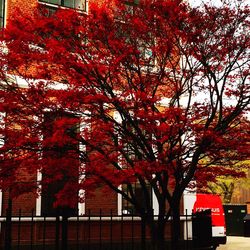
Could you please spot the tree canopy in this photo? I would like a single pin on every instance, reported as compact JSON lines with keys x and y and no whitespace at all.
{"x":137,"y":93}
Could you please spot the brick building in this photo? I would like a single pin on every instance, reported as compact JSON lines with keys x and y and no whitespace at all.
{"x":43,"y":205}
{"x":29,"y":204}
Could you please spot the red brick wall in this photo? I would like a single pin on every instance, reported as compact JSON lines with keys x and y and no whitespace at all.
{"x":102,"y":199}
{"x":29,"y":5}
{"x":25,"y":202}
{"x":23,"y":5}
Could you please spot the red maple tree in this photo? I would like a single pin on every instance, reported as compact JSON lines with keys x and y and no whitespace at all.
{"x":137,"y":95}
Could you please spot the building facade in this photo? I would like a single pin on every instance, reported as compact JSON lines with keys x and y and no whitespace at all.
{"x":29,"y":204}
{"x":43,"y":204}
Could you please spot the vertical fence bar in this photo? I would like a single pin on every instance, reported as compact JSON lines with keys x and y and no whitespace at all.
{"x":57,"y":236}
{"x":100,"y":229}
{"x":192,"y":238}
{"x":19,"y":229}
{"x":186,"y":219}
{"x":8,"y":226}
{"x":44,"y":231}
{"x":77,"y":231}
{"x":111,"y":229}
{"x":89,"y":233}
{"x":122,"y":231}
{"x":132,"y":231}
{"x":143,"y":233}
{"x":64,"y":231}
{"x":31,"y":230}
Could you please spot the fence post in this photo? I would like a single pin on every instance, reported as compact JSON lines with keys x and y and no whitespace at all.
{"x":19,"y":229}
{"x":32,"y":229}
{"x":111,"y":229}
{"x":77,"y":230}
{"x":132,"y":230}
{"x":57,"y":230}
{"x":100,"y":229}
{"x":89,"y":229}
{"x":8,"y":225}
{"x":186,"y":228}
{"x":122,"y":231}
{"x":64,"y":230}
{"x":44,"y":232}
{"x":143,"y":232}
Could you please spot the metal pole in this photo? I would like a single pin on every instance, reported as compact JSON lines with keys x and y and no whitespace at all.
{"x":64,"y":231}
{"x":143,"y":232}
{"x":57,"y":230}
{"x":8,"y":225}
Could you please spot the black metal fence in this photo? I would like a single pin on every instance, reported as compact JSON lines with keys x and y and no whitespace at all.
{"x":85,"y":232}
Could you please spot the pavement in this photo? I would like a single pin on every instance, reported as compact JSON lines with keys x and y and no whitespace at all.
{"x":236,"y":243}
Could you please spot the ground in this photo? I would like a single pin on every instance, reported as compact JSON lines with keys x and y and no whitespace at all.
{"x":236,"y":243}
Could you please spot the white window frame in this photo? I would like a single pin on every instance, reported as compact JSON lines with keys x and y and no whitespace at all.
{"x":155,"y":206}
{"x":55,"y":6}
{"x":2,"y":115}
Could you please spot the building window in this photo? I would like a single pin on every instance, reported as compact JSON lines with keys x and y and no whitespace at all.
{"x":75,"y":4}
{"x":61,"y":164}
{"x":139,"y":194}
{"x":132,"y":2}
{"x":2,"y":10}
{"x":131,"y":5}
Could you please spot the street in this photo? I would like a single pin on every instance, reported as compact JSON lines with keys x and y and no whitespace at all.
{"x":236,"y":243}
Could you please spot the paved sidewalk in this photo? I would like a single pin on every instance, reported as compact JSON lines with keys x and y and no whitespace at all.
{"x":236,"y":243}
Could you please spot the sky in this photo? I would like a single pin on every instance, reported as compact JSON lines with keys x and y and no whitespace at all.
{"x":216,"y":2}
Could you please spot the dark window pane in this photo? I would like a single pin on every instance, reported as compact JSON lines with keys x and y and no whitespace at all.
{"x":69,"y":3}
{"x":127,"y":208}
{"x":52,"y":1}
{"x":56,"y":154}
{"x":2,"y":9}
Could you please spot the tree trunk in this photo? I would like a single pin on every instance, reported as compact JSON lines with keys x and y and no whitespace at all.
{"x":157,"y":229}
{"x":160,"y":244}
{"x":175,"y":226}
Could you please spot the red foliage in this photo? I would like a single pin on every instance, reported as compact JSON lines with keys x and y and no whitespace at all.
{"x":146,"y":96}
